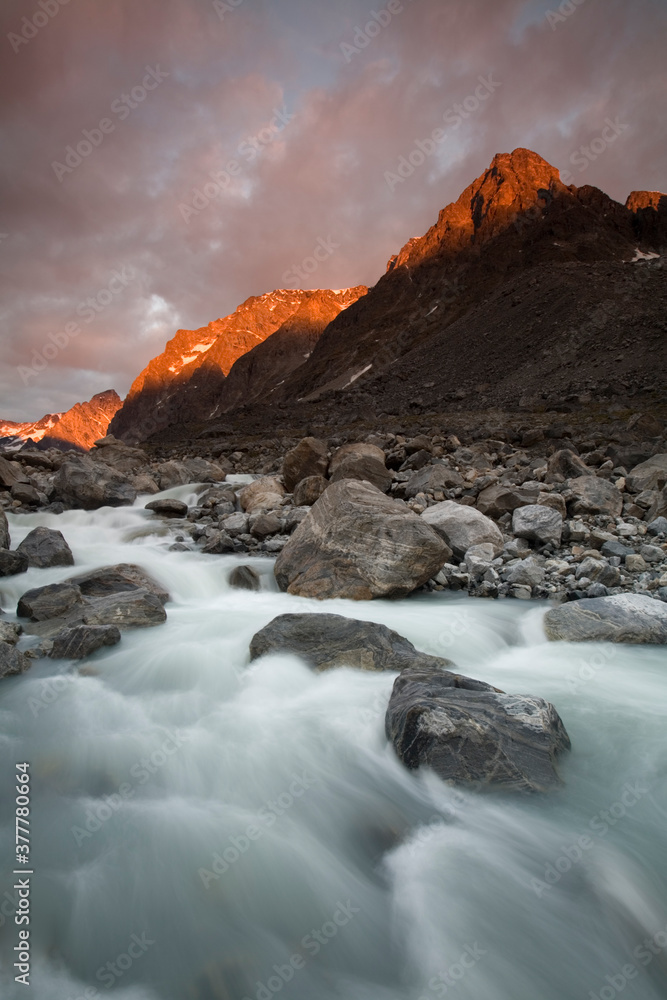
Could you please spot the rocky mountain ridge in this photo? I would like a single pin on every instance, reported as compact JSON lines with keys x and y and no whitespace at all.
{"x":76,"y":429}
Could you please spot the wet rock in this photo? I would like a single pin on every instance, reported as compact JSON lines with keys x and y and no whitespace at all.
{"x":218,"y":544}
{"x":462,"y":526}
{"x":83,"y":483}
{"x":538,"y":524}
{"x":122,"y":578}
{"x":244,"y":578}
{"x":262,"y":494}
{"x":327,"y":641}
{"x":80,"y":641}
{"x":168,"y":508}
{"x":358,"y":543}
{"x":649,"y":475}
{"x":621,"y":618}
{"x":136,"y":609}
{"x":308,"y":459}
{"x":44,"y":548}
{"x":5,"y":538}
{"x":498,"y":499}
{"x":12,"y":563}
{"x":12,"y":660}
{"x":10,"y":632}
{"x":592,"y":495}
{"x":468,"y":732}
{"x":52,"y":601}
{"x":432,"y":478}
{"x":309,"y":491}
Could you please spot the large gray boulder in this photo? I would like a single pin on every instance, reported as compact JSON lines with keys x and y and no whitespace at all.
{"x":631,"y":618}
{"x":432,"y":478}
{"x":355,"y":451}
{"x":468,"y":732}
{"x":5,"y":538}
{"x":53,"y":601}
{"x":44,"y":548}
{"x":365,"y":469}
{"x":538,"y":524}
{"x":359,"y":544}
{"x":80,"y":482}
{"x":649,"y":475}
{"x":12,"y":563}
{"x":326,"y":641}
{"x":594,"y":496}
{"x":309,"y":458}
{"x":122,"y":578}
{"x":80,"y":641}
{"x":12,"y":660}
{"x":462,"y":526}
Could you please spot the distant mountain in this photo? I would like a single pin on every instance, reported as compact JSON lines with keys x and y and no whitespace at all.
{"x":78,"y":428}
{"x":189,"y":380}
{"x":446,"y":318}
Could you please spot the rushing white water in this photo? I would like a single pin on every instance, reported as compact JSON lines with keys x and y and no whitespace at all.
{"x":206,"y":829}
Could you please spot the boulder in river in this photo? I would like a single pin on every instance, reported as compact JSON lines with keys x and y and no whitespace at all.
{"x":166,"y":507}
{"x":12,"y":563}
{"x":244,"y":578}
{"x":117,"y":579}
{"x":136,"y":609}
{"x":80,"y":641}
{"x":44,"y":548}
{"x":471,"y":733}
{"x":12,"y":660}
{"x":462,"y":526}
{"x":81,"y":482}
{"x":309,"y":458}
{"x":631,"y":618}
{"x":359,"y":544}
{"x":53,"y":601}
{"x":326,"y":641}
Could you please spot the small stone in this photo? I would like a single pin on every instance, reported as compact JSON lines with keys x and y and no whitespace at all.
{"x":616,"y":549}
{"x":652,"y":553}
{"x":538,"y":523}
{"x":658,"y":527}
{"x":635,"y":563}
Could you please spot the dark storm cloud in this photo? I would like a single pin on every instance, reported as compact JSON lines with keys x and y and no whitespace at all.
{"x":299,"y":111}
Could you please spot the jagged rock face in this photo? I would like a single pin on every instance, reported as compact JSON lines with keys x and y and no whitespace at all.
{"x":515,"y":219}
{"x":188,"y":381}
{"x":78,"y":428}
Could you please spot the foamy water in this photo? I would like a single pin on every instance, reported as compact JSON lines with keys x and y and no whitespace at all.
{"x":206,"y":829}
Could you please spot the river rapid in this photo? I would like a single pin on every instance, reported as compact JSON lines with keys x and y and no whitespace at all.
{"x":203,"y":828}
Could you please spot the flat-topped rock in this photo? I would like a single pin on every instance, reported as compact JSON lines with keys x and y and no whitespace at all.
{"x":632,"y":618}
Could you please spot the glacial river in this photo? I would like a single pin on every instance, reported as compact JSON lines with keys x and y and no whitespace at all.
{"x":206,"y":829}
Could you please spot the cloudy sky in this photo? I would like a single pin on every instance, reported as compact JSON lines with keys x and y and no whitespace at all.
{"x":115,"y":116}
